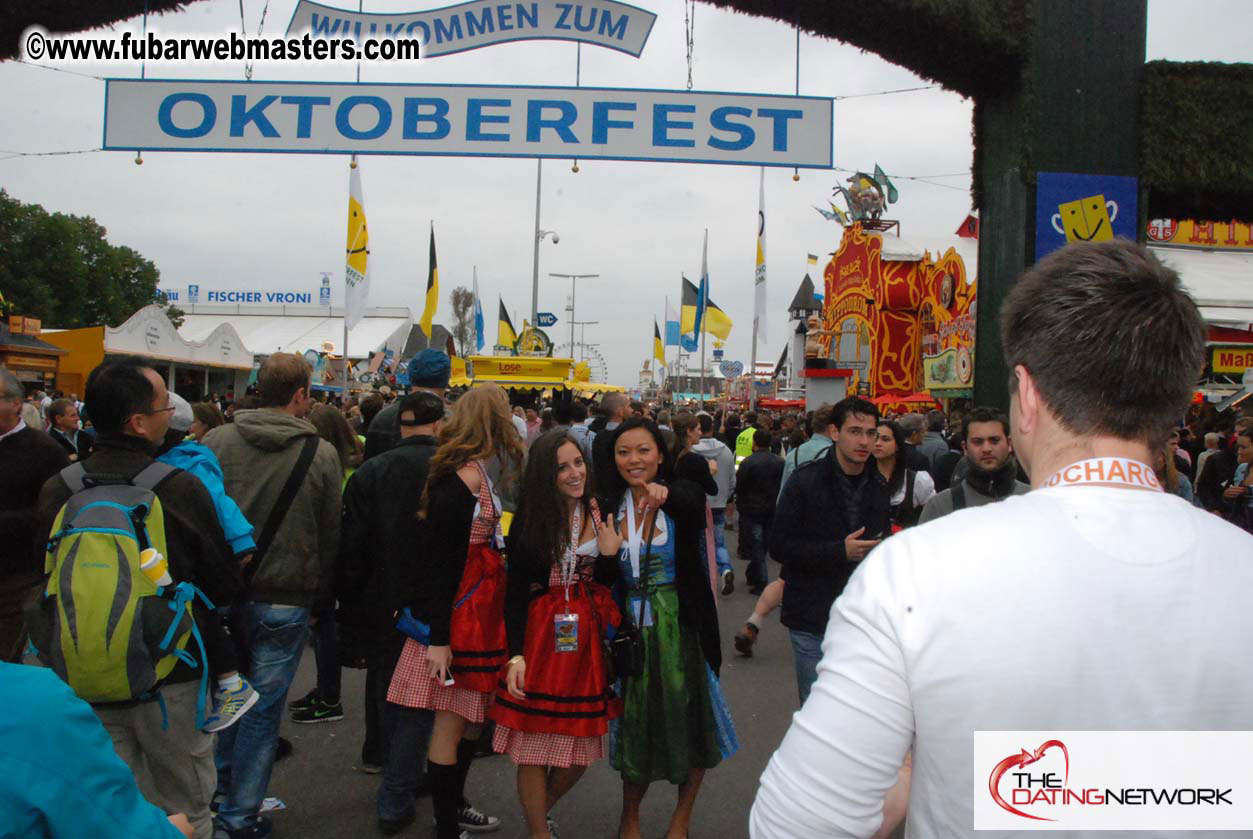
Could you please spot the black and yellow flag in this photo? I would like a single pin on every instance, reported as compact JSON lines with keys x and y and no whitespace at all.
{"x":432,"y":290}
{"x":659,"y":349}
{"x":505,"y":334}
{"x":715,"y":321}
{"x":689,"y":307}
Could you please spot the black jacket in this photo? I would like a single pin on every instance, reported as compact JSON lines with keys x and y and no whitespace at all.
{"x":28,"y":458}
{"x":85,"y":443}
{"x":384,"y":431}
{"x":377,"y":571}
{"x":757,"y":483}
{"x":811,"y":522}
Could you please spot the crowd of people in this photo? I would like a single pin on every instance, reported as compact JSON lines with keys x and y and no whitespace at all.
{"x":544,"y":578}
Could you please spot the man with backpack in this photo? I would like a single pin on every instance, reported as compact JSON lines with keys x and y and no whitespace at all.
{"x":154,"y":725}
{"x":989,"y":472}
{"x":286,"y":480}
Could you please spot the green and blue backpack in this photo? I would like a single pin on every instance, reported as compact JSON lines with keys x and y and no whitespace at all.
{"x":110,"y":632}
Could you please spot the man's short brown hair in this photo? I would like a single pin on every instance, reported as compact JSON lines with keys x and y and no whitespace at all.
{"x":280,"y":376}
{"x":1110,"y":337}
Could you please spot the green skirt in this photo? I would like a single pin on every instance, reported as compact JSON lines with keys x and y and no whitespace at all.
{"x":668,"y":726}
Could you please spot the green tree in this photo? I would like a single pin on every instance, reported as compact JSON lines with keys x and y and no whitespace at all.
{"x":61,"y":269}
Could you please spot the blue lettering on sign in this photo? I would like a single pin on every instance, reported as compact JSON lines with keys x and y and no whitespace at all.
{"x":535,"y":121}
{"x":304,"y":112}
{"x":208,"y":117}
{"x":413,"y":116}
{"x":780,"y":118}
{"x":447,"y":31}
{"x":718,"y":119}
{"x":610,"y":29}
{"x":344,"y":111}
{"x":484,"y":24}
{"x":418,"y":26}
{"x":504,"y":18}
{"x":662,"y":124}
{"x":601,"y":123}
{"x":525,"y":19}
{"x":242,"y":115}
{"x":565,"y":13}
{"x":578,"y":19}
{"x":322,"y":28}
{"x":475,"y":119}
{"x":288,"y":297}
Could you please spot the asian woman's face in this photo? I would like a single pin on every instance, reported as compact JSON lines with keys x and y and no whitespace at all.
{"x":571,"y":470}
{"x":637,"y":457}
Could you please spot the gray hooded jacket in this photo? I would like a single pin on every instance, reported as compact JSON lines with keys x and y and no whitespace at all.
{"x":257,"y":452}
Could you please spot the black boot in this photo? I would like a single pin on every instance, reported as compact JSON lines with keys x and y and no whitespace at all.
{"x":446,"y":798}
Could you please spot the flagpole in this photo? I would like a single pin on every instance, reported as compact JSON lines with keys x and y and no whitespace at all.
{"x":347,"y":291}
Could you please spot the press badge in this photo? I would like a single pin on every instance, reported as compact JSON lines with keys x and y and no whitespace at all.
{"x":566,"y":628}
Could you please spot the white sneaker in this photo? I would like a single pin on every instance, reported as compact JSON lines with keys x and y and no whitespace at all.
{"x":728,"y":581}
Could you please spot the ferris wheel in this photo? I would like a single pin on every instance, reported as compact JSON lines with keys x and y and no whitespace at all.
{"x":586,"y":353}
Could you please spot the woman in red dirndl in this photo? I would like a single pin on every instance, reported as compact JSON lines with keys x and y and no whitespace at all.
{"x":552,"y":710}
{"x":456,"y":672}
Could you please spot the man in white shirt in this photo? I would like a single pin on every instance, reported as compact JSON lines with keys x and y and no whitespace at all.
{"x":1096,"y":602}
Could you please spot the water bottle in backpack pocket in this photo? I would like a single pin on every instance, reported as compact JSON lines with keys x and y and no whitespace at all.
{"x":102,"y":624}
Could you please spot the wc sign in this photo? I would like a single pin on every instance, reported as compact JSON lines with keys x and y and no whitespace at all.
{"x":1082,"y":208}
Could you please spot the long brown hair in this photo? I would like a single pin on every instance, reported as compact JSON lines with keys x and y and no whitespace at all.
{"x":334,"y":429}
{"x":480,"y":427}
{"x":542,"y":522}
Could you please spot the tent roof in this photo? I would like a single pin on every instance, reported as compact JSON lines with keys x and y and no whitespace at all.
{"x":268,"y":333}
{"x":1221,"y":282}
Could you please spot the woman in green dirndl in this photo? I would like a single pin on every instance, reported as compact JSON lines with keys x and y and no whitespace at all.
{"x":674,"y":723}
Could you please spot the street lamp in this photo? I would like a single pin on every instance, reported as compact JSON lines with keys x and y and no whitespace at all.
{"x":573,"y":278}
{"x":539,"y":235}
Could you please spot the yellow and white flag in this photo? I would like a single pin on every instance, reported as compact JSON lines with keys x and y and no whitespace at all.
{"x":356,"y":268}
{"x":759,"y":277}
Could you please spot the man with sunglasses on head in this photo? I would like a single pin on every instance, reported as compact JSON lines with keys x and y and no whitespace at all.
{"x":160,"y":741}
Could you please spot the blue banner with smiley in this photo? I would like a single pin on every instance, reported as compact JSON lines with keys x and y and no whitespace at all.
{"x":1083,"y":208}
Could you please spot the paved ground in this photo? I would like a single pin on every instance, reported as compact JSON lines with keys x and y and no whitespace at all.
{"x":327,"y":796}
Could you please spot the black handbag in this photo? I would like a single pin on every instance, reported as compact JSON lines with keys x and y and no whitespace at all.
{"x":626,"y":650}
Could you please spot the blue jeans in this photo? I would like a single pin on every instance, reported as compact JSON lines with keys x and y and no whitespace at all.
{"x":720,"y":539}
{"x":754,"y":536}
{"x":408,"y":735}
{"x":272,"y":638}
{"x":807,"y":650}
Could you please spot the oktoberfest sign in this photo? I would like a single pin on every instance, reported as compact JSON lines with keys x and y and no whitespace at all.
{"x":481,"y":23}
{"x":468,"y":120}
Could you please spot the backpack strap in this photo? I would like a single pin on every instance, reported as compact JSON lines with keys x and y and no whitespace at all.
{"x":151,"y":476}
{"x":959,"y":495}
{"x":73,"y":476}
{"x":285,"y":498}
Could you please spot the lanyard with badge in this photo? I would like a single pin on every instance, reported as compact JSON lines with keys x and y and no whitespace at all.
{"x":566,"y":625}
{"x":641,"y":607}
{"x":1108,"y":472}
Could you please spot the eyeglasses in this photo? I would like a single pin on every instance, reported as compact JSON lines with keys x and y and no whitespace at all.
{"x":170,"y":408}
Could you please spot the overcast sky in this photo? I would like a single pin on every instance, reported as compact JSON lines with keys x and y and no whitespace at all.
{"x":274,"y":222}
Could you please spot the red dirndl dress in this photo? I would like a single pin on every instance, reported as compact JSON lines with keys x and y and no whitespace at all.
{"x":476,"y":632}
{"x":566,"y":714}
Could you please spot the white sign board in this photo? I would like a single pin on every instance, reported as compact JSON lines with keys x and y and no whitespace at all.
{"x":468,"y":120}
{"x":481,"y":23}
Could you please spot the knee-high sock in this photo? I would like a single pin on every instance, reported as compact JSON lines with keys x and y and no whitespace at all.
{"x":446,"y":798}
{"x":465,"y":756}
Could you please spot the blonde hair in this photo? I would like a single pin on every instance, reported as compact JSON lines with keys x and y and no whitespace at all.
{"x":480,"y":427}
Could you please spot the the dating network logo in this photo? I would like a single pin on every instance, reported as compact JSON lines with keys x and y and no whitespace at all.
{"x":1020,"y":761}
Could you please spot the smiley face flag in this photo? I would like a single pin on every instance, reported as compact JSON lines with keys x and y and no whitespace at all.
{"x":356,"y":270}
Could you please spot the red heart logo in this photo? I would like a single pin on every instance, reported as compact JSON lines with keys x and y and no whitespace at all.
{"x":1024,"y":758}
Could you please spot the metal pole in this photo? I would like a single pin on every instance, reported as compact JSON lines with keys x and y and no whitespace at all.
{"x":539,"y":173}
{"x":345,"y":353}
{"x":574,"y":278}
{"x":702,"y":368}
{"x":752,"y":371}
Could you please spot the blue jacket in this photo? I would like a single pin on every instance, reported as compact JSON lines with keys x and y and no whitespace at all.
{"x":203,"y":463}
{"x":59,"y":774}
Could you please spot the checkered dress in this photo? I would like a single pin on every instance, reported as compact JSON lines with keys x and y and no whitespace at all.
{"x":412,"y":685}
